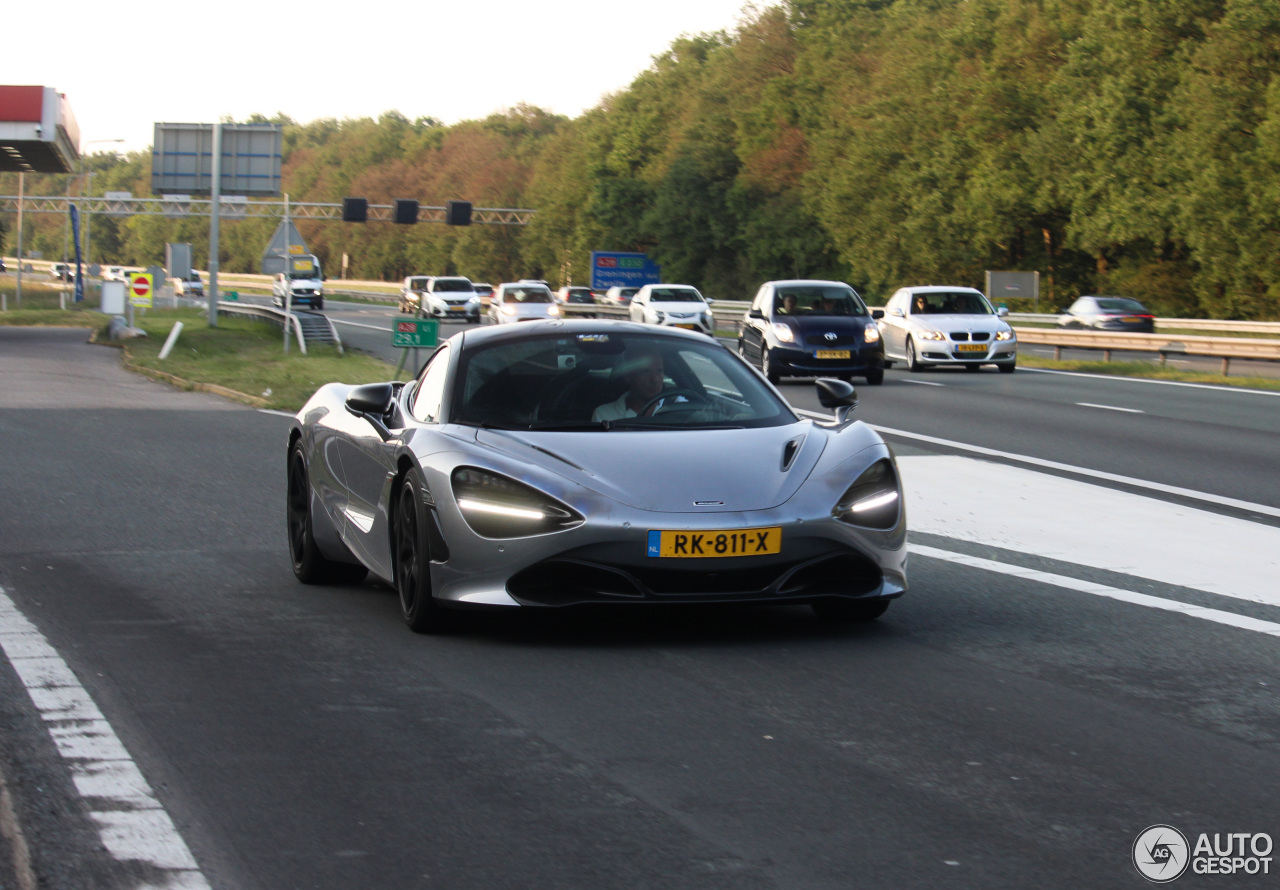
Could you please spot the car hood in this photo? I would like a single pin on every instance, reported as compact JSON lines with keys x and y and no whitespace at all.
{"x":667,"y":471}
{"x":680,"y":308}
{"x":949,"y":323}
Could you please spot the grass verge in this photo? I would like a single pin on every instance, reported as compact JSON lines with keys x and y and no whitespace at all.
{"x":243,"y":356}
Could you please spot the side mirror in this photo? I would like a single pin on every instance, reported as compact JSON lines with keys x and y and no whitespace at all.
{"x":877,"y":313}
{"x":755,"y":313}
{"x":896,"y":313}
{"x":372,"y":398}
{"x":837,"y":394}
{"x":1002,"y":311}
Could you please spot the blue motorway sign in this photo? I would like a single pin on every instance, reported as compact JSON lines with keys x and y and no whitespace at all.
{"x":617,"y":269}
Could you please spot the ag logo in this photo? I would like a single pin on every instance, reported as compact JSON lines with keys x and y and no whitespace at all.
{"x":1161,"y":854}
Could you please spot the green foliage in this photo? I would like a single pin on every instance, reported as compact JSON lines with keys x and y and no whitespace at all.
{"x":1128,"y":146}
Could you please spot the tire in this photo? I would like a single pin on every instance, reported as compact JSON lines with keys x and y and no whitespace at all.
{"x":411,"y":555}
{"x":913,"y":363}
{"x":876,"y":378}
{"x":1007,"y":367}
{"x":888,"y":364}
{"x":846,"y":610}
{"x":310,"y":566}
{"x":766,"y":367}
{"x":319,"y":305}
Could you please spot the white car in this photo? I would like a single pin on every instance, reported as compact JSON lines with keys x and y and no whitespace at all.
{"x":521,"y":301}
{"x":452,"y":297}
{"x":113,"y":273}
{"x":619,"y":296}
{"x":675,"y":305}
{"x":938,"y":325}
{"x":192,"y":286}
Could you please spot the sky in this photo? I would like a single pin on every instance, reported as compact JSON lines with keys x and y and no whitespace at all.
{"x":125,"y":66}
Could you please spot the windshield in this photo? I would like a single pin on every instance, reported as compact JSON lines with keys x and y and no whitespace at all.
{"x":611,"y":381}
{"x":950,"y":303}
{"x":528,"y":295}
{"x":451,"y":285}
{"x":818,"y":300}
{"x":416,"y":284}
{"x":1120,"y":304}
{"x":305,"y":275}
{"x":674,"y":295}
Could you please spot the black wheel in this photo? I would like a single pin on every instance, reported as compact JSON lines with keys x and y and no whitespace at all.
{"x":875,"y":378}
{"x":766,"y":367}
{"x":319,"y":305}
{"x":888,"y":364}
{"x":1007,"y":367}
{"x":973,"y":367}
{"x":837,"y":609}
{"x":913,"y":363}
{"x":412,"y":556}
{"x":309,"y":564}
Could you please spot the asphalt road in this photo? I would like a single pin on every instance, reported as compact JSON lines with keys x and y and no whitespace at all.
{"x":1078,"y":657}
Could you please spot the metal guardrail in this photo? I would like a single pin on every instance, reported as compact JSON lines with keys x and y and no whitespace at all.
{"x":1196,"y":324}
{"x":306,"y":326}
{"x":1224,"y":348}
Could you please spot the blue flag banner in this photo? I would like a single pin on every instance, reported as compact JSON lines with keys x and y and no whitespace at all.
{"x":75,"y":236}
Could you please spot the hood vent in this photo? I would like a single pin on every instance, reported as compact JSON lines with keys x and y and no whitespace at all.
{"x":789,"y":452}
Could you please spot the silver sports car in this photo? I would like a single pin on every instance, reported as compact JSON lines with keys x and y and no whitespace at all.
{"x":588,"y":461}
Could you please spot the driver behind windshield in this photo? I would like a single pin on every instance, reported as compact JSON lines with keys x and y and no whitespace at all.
{"x":644,"y":374}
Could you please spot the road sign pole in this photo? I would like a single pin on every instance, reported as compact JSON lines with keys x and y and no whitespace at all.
{"x":215,"y":192}
{"x":288,"y":284}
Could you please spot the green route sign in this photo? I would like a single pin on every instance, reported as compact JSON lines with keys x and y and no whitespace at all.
{"x":414,"y":334}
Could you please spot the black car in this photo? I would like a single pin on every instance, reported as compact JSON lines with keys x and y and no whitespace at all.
{"x":1108,"y":314}
{"x":812,"y":329}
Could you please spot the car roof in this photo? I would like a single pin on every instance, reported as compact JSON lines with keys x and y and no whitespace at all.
{"x":941,"y":289}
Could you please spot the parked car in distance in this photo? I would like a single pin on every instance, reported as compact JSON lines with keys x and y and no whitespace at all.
{"x":943,"y":325}
{"x":1108,"y":314}
{"x":811,"y":328}
{"x":191,"y":286}
{"x":411,"y":292}
{"x":61,"y":272}
{"x":675,"y":305}
{"x":620,"y":296}
{"x":113,"y":273}
{"x":521,"y":301}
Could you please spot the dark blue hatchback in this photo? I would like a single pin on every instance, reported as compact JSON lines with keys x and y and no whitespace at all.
{"x":809,"y":328}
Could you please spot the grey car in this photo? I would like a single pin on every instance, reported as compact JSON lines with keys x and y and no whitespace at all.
{"x":559,"y":463}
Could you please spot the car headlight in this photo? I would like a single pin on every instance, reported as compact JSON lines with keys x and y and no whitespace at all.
{"x":874,"y":500}
{"x":871,"y":334}
{"x":783,"y":332}
{"x":1004,"y":335}
{"x":497,"y":507}
{"x":931,"y":335}
{"x":553,"y":309}
{"x":509,"y":309}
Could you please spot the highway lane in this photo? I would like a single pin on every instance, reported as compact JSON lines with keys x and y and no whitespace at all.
{"x":1219,"y":440}
{"x":993,"y":730}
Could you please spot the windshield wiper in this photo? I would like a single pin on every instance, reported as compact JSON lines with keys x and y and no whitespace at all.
{"x":568,"y":425}
{"x":646,"y":424}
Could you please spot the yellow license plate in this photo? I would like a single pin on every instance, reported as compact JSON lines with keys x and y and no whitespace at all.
{"x":1129,"y":319}
{"x":687,"y":327}
{"x":703,"y":544}
{"x":971,"y":347}
{"x":457,"y":308}
{"x":831,"y":353}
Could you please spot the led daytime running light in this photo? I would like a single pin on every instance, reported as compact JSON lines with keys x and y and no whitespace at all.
{"x":499,"y":509}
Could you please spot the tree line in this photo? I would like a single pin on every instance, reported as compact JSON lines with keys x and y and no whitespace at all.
{"x":1115,"y":146}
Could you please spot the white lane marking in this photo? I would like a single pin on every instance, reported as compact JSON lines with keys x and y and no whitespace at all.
{"x":289,"y":414}
{"x":1110,"y":408}
{"x":1208,"y":498}
{"x":1078,"y":522}
{"x":1113,"y":377}
{"x":1141,"y":599}
{"x":356,"y":324}
{"x":132,"y":824}
{"x":923,"y":382}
